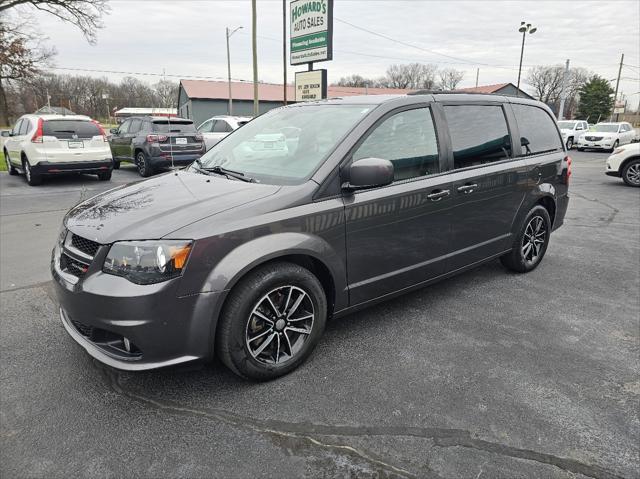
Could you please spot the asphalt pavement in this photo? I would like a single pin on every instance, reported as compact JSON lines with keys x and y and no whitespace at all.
{"x":486,"y":375}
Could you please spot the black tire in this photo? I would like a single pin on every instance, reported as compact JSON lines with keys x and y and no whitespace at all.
{"x":142,"y":162}
{"x":631,"y":173}
{"x":569,"y":143}
{"x":525,"y":256}
{"x":10,"y":168}
{"x":116,"y":165}
{"x":106,"y":176}
{"x":281,"y":284}
{"x":32,"y":178}
{"x":615,"y":145}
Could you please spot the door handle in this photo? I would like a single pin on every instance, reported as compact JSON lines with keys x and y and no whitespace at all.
{"x":468,"y":188}
{"x":438,"y":195}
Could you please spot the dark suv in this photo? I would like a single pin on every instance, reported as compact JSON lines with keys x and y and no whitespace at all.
{"x":152,"y":143}
{"x":308,"y":212}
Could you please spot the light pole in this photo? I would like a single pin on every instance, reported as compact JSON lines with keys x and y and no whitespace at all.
{"x":229,"y":68}
{"x":524,"y":29}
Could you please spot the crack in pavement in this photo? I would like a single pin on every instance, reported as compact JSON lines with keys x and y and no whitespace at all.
{"x":611,"y":217}
{"x":441,"y":437}
{"x":262,"y":427}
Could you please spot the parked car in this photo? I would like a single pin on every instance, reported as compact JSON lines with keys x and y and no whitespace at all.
{"x":152,"y":143}
{"x":216,"y":128}
{"x":625,"y":163}
{"x":359,"y":199}
{"x":571,"y":131}
{"x":45,"y":145}
{"x":606,"y":136}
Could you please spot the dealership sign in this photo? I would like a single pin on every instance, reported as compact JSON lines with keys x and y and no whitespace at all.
{"x":311,"y":85}
{"x":311,"y":31}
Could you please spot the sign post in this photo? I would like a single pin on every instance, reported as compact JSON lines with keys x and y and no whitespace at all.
{"x":311,"y":40}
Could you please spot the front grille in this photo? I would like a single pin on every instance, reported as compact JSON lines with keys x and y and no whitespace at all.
{"x":85,"y":245}
{"x":593,"y":138}
{"x":71,"y":266}
{"x":85,"y":330}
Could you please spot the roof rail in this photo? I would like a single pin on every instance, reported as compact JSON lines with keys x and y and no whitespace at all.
{"x":450,"y":92}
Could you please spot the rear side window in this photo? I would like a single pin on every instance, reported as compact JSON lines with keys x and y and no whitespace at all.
{"x":70,"y":129}
{"x":408,"y":140}
{"x":205,"y":127}
{"x":173,"y":127}
{"x":24,"y":128}
{"x":135,"y":126}
{"x":479,"y":134}
{"x":538,"y":132}
{"x":221,"y":126}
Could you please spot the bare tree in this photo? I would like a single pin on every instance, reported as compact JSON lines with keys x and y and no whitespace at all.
{"x":546,"y":81}
{"x":21,"y":57}
{"x":166,"y":94}
{"x":355,"y":81}
{"x":450,"y":78}
{"x":84,"y":14}
{"x":410,"y":76}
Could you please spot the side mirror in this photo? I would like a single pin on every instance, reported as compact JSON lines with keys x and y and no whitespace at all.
{"x":368,"y":173}
{"x":6,"y":133}
{"x":114,"y":131}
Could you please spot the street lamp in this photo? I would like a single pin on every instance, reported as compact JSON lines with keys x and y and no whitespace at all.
{"x":524,"y":28}
{"x":229,"y":67}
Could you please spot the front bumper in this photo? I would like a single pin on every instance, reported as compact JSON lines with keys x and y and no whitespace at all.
{"x":161,"y":328}
{"x":53,"y":168}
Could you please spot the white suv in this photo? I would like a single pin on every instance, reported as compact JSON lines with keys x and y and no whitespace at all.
{"x":41,"y":145}
{"x":625,"y":163}
{"x":215,"y":129}
{"x":607,"y":136}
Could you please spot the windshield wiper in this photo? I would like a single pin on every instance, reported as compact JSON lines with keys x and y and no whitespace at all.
{"x":229,"y":173}
{"x":201,"y":168}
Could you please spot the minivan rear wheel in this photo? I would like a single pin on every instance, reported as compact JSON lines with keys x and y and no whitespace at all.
{"x":530,"y":244}
{"x":271,"y":321}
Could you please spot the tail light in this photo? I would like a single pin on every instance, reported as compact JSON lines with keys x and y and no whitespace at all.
{"x":568,"y":158}
{"x":157,"y":138}
{"x":102,"y":132}
{"x":199,"y":137}
{"x":37,"y":136}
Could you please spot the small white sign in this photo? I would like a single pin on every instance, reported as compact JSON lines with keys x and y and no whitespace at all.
{"x":311,"y":86}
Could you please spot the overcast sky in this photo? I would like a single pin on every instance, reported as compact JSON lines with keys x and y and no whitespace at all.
{"x":187,"y":38}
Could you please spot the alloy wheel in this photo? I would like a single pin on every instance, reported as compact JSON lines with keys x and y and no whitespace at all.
{"x":279,"y":325}
{"x":633,"y":174}
{"x":27,"y":170}
{"x":535,"y":235}
{"x":142,"y":164}
{"x":8,"y":162}
{"x":569,"y":143}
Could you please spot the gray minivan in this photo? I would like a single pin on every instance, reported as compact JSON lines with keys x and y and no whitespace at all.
{"x":308,"y":212}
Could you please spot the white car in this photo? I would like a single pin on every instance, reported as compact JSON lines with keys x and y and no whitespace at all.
{"x":215,"y":129}
{"x":607,"y":136}
{"x":625,"y":163}
{"x":42,"y":145}
{"x":571,"y":131}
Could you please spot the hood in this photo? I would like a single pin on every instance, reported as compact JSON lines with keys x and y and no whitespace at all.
{"x":154,"y":208}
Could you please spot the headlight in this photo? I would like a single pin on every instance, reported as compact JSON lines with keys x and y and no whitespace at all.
{"x":147,"y":262}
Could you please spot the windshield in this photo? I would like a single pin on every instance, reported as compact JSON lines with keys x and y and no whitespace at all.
{"x":285,"y":146}
{"x":566,"y":125}
{"x":70,"y":129}
{"x":173,"y":127}
{"x":606,"y":128}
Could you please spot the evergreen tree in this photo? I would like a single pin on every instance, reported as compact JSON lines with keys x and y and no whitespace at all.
{"x":596,"y":99}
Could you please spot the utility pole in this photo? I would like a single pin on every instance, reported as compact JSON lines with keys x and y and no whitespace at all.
{"x":49,"y":99}
{"x":254,"y":46}
{"x":477,"y":76}
{"x":284,"y":48}
{"x":563,"y":94}
{"x":615,"y":96}
{"x":228,"y":34}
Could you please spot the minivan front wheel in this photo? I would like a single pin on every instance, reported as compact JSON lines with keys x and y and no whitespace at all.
{"x":530,"y":244}
{"x":271,"y":321}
